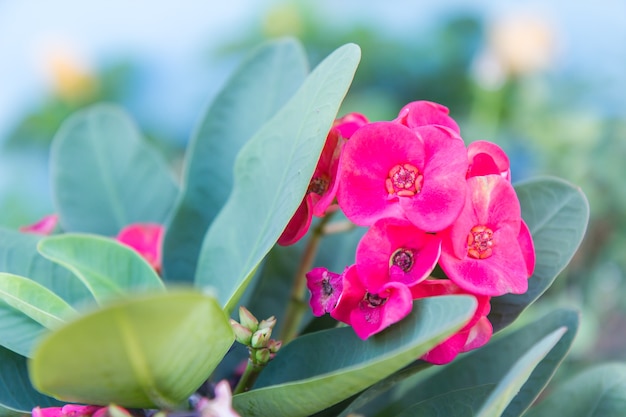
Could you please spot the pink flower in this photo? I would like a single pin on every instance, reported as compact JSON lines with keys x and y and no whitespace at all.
{"x":325,"y":288}
{"x":68,"y":410}
{"x":221,"y":405}
{"x":45,"y":226}
{"x":369,"y":311}
{"x":474,"y":334}
{"x":487,"y":250}
{"x":425,"y":113}
{"x":395,"y":250}
{"x":320,"y":195}
{"x":390,"y":170}
{"x":487,"y":158}
{"x":146,"y":239}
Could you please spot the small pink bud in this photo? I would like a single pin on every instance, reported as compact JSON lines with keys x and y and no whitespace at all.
{"x":274,"y":345}
{"x":268,"y":323}
{"x":262,"y":356}
{"x":242,"y":334}
{"x":247,"y":319}
{"x":260,"y":338}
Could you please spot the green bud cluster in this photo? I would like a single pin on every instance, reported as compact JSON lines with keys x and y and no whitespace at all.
{"x":256,"y":336}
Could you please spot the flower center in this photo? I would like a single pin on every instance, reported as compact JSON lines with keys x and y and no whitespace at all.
{"x":374,"y":300}
{"x":327,"y":288}
{"x":318,"y":185}
{"x":404,"y":180}
{"x":402,"y":258}
{"x":480,"y":242}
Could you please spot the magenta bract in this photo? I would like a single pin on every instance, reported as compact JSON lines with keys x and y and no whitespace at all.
{"x":371,"y":312}
{"x":395,"y":250}
{"x":389,"y":170}
{"x":325,"y":288}
{"x":487,"y":158}
{"x":425,"y":113}
{"x":486,"y":251}
{"x":146,"y":239}
{"x":45,"y":226}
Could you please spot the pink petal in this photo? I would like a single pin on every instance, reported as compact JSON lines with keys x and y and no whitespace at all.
{"x":47,"y":412}
{"x":425,"y":113}
{"x":325,"y":288}
{"x":221,"y":405}
{"x":442,"y":196}
{"x":299,"y":223}
{"x":487,"y":158}
{"x":394,"y":237}
{"x":447,"y":350}
{"x":479,"y":334}
{"x":349,"y":124}
{"x":45,"y":226}
{"x":75,"y":410}
{"x":146,"y":239}
{"x":364,"y":167}
{"x":528,"y":247}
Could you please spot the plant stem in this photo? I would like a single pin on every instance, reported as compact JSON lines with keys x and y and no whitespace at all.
{"x":249,"y":376}
{"x":297,"y":303}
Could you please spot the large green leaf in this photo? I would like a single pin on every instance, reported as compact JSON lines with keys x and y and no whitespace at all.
{"x":508,"y":387}
{"x":261,"y":85}
{"x":317,"y":370}
{"x":153,"y":350}
{"x":34,"y":300}
{"x":19,"y":255}
{"x":272,"y":173}
{"x":488,"y":365}
{"x":596,"y":392}
{"x":556,"y":214}
{"x":18,"y":332}
{"x":105,"y":176}
{"x":16,"y":392}
{"x":107,"y":268}
{"x":460,"y":403}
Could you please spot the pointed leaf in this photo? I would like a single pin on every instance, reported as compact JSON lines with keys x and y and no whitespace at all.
{"x":320,"y":369}
{"x":19,"y":256}
{"x":454,"y":403}
{"x":16,"y":392}
{"x":508,"y":387}
{"x":261,"y":85}
{"x":153,"y":350}
{"x":34,"y":300}
{"x":108,"y":268}
{"x":596,"y":392}
{"x":487,"y":365}
{"x":556,"y":214}
{"x":272,"y":173}
{"x":105,"y":176}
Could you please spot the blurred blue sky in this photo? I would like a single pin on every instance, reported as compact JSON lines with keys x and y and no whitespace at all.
{"x":173,"y":40}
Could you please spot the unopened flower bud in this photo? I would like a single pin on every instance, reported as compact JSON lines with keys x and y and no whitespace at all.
{"x":262,"y":356}
{"x":117,"y":411}
{"x":267,"y":323}
{"x":274,"y":345}
{"x":260,"y":338}
{"x":242,"y":334}
{"x":247,"y":319}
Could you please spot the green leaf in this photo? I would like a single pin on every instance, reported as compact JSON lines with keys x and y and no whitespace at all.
{"x":272,"y":173}
{"x":556,"y":214}
{"x":508,"y":387}
{"x":34,"y":300}
{"x":596,"y":392}
{"x":18,"y":332}
{"x":105,"y":176}
{"x":153,"y":350}
{"x":261,"y":85}
{"x":16,"y":392}
{"x":458,"y":403}
{"x":109,"y":269}
{"x":19,"y":256}
{"x":487,"y":365}
{"x":317,"y":370}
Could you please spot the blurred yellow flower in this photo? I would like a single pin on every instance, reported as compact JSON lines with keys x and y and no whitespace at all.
{"x":70,"y":77}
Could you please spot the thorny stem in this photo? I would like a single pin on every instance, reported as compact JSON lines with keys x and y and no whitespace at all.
{"x":249,"y":376}
{"x":297,"y":303}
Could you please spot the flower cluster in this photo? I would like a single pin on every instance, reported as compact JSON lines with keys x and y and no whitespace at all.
{"x":427,"y":200}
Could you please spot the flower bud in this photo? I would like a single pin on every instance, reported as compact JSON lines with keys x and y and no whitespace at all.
{"x":268,"y":323}
{"x":260,"y":338}
{"x":262,"y":356}
{"x":274,"y":345}
{"x":247,"y":319}
{"x":242,"y":334}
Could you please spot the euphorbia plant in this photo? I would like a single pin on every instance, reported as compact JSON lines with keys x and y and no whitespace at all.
{"x":413,"y":238}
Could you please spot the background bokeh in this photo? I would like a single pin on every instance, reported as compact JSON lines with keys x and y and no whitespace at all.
{"x":546,"y":80}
